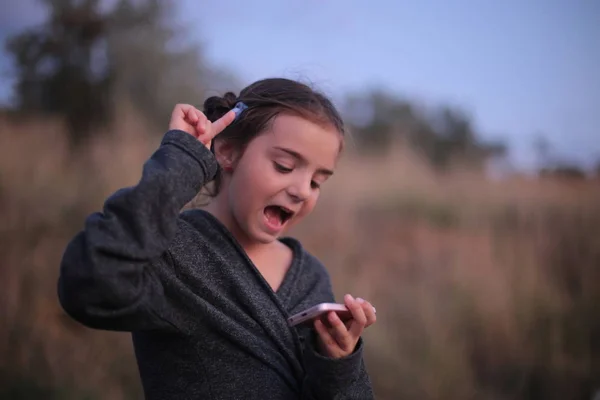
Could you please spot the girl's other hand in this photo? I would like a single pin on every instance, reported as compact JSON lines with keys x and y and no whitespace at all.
{"x":189,"y":119}
{"x":336,"y":339}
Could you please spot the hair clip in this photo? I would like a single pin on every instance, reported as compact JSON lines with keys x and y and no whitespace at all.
{"x":239,"y":108}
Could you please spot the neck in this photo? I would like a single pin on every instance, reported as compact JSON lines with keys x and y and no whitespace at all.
{"x":219,"y":208}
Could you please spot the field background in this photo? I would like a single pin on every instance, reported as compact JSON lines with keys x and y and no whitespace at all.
{"x":486,"y":278}
{"x":484,"y":288}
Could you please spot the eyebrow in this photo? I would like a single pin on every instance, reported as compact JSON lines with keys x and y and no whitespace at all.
{"x":299,"y":156}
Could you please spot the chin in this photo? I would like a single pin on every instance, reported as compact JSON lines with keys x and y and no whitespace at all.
{"x":263,"y":237}
{"x":257,"y":233}
{"x":254,"y":233}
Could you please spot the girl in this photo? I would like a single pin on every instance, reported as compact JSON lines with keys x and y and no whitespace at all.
{"x":207,"y":292}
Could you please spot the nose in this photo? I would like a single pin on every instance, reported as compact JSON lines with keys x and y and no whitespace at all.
{"x":300,"y":190}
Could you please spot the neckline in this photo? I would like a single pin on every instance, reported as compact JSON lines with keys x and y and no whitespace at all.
{"x":284,"y":289}
{"x":283,"y":293}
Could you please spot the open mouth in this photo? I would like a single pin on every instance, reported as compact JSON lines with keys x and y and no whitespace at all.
{"x":278,"y":215}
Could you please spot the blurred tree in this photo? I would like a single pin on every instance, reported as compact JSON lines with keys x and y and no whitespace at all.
{"x":456,"y":140}
{"x":551,"y":165}
{"x":562,"y":170}
{"x":376,"y":116}
{"x":55,"y":65}
{"x":543,"y":150}
{"x":444,"y":135}
{"x":85,"y":58}
{"x":156,"y":67}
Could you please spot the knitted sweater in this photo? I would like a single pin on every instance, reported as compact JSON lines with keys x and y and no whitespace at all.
{"x":204,"y":322}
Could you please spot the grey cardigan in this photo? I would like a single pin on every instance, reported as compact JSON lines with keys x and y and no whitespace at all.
{"x":204,"y":322}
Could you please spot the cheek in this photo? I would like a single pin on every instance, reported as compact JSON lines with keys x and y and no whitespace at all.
{"x":252,"y":183}
{"x":309,"y":205}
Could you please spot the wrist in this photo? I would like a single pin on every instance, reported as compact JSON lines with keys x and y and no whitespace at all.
{"x":187,"y":144}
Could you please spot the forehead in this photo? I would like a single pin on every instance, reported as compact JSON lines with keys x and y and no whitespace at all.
{"x":318,"y":144}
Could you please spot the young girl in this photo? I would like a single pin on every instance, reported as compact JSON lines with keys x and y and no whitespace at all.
{"x":207,"y":292}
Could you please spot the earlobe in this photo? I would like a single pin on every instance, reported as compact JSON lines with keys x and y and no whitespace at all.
{"x":225,"y":154}
{"x":226,"y":163}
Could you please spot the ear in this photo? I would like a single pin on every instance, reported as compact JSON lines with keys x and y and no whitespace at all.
{"x":225,"y":154}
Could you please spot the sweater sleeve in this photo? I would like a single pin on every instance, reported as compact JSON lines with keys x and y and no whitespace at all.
{"x":328,"y":378}
{"x":344,"y":378}
{"x":107,"y":274}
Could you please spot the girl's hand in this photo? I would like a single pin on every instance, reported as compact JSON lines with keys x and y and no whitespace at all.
{"x":336,"y":339}
{"x":189,"y":119}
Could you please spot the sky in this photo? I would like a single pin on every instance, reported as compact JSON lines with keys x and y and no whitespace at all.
{"x":519,"y":68}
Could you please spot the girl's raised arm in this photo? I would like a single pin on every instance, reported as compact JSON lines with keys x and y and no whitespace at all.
{"x":106,"y":275}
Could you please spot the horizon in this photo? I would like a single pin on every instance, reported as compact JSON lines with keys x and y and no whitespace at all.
{"x":520,"y":70}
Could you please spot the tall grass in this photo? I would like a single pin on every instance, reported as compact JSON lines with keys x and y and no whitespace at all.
{"x":484,"y":289}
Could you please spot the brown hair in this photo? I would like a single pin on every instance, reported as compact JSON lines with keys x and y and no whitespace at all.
{"x":266,"y":99}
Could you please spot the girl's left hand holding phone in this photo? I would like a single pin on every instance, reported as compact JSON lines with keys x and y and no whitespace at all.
{"x":337,"y":339}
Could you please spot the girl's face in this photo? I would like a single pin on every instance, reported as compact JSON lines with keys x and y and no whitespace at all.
{"x":276,"y":181}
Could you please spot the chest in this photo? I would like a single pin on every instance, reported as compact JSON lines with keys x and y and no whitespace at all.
{"x":273,"y":266}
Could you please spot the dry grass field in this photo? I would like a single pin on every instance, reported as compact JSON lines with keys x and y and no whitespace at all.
{"x":485,"y":289}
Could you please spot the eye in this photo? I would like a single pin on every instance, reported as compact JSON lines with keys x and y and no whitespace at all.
{"x":315,"y":185}
{"x":281,"y":168}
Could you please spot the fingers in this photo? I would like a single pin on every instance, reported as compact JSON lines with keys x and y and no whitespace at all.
{"x":222,"y":123}
{"x":212,"y":129}
{"x":326,"y":337}
{"x":369,"y":312}
{"x":186,"y":112}
{"x":340,"y":333}
{"x":203,"y":130}
{"x":338,"y":339}
{"x":193,"y":116}
{"x":188,"y":118}
{"x":359,"y":319}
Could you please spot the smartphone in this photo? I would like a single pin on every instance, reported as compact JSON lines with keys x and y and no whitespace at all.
{"x":318,"y":311}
